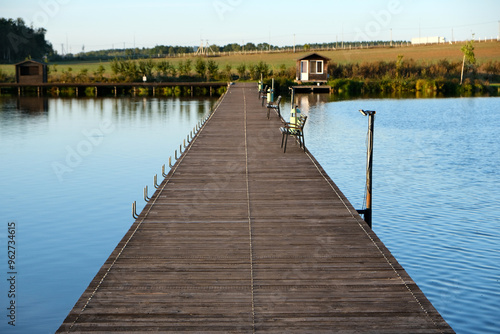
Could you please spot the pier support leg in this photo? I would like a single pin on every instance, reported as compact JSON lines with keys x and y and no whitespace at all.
{"x":115,"y":91}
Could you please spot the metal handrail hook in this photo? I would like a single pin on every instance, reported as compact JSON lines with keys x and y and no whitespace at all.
{"x":180,"y":148}
{"x":156,"y":181}
{"x":146,"y":197}
{"x":163,"y":168}
{"x":184,"y":143}
{"x":134,"y":210}
{"x":176,"y":155}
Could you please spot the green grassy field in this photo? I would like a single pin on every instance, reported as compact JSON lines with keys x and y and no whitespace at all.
{"x":484,"y":52}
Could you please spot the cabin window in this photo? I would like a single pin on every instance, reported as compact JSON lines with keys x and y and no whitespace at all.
{"x":319,"y":67}
{"x":313,"y":66}
{"x":29,"y":70}
{"x":303,"y":67}
{"x":316,"y":67}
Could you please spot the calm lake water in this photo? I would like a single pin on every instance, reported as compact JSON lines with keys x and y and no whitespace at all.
{"x":72,"y":167}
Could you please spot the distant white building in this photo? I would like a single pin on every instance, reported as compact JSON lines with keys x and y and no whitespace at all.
{"x":428,"y":40}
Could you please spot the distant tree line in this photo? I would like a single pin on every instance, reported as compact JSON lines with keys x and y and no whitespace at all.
{"x":163,"y":51}
{"x":18,"y":41}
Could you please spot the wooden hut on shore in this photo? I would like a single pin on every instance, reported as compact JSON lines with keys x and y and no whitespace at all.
{"x":312,"y":68}
{"x":31,"y":72}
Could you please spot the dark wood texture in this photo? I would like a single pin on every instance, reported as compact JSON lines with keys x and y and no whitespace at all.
{"x":243,"y":238}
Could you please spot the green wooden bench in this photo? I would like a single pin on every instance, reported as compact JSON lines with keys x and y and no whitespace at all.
{"x":275,"y":106}
{"x":296,"y":130}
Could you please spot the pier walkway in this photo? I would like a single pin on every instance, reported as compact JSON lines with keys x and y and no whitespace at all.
{"x":243,"y":238}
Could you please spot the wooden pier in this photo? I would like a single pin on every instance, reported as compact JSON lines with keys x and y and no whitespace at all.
{"x":243,"y":238}
{"x":312,"y":89}
{"x":113,"y":87}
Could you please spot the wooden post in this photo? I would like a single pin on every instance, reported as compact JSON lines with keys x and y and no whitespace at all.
{"x":115,"y":91}
{"x":95,"y":91}
{"x":76,"y":91}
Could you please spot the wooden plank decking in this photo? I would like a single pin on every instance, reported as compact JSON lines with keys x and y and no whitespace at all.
{"x":242,"y":238}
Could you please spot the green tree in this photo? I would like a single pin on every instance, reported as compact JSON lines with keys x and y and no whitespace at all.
{"x":187,"y":66}
{"x":200,"y":67}
{"x":99,"y":73}
{"x":242,"y":70}
{"x":261,"y":69}
{"x":163,"y":67}
{"x":18,"y":42}
{"x":469,"y":59}
{"x":227,"y":72}
{"x":115,"y":66}
{"x":67,"y":76}
{"x":83,"y":76}
{"x":181,"y":68}
{"x":212,"y":69}
{"x":172,"y":70}
{"x":146,"y":68}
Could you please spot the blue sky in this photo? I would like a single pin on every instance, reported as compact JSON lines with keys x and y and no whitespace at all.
{"x":104,"y":24}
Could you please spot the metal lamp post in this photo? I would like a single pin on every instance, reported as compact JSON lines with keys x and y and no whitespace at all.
{"x":367,"y":212}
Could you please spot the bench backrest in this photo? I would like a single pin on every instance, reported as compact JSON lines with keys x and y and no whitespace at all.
{"x":301,"y":122}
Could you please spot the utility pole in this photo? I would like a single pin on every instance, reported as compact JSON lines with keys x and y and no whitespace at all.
{"x":367,"y":212}
{"x":391,"y":37}
{"x":342,"y":36}
{"x":293,"y":43}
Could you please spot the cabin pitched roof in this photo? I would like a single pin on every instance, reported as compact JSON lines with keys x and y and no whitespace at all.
{"x":314,"y":56}
{"x":30,"y":61}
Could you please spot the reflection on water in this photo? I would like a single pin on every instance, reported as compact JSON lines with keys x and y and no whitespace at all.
{"x":33,"y":104}
{"x":72,"y":167}
{"x":70,"y":170}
